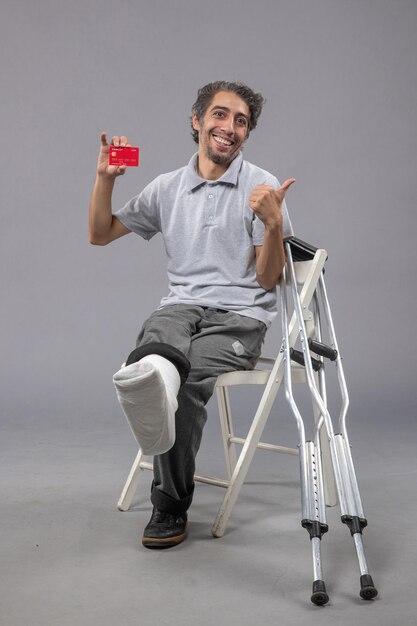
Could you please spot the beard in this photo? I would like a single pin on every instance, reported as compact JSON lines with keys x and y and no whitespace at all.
{"x":220,"y":159}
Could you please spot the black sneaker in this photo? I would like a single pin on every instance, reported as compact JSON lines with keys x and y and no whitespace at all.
{"x":165,"y":530}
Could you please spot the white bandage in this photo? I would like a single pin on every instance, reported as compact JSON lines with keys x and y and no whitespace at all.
{"x":147,"y":391}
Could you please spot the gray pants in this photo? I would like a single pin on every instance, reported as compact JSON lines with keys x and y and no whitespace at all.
{"x":214,"y":342}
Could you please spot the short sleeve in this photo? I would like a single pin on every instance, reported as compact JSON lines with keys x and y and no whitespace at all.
{"x":141,"y":213}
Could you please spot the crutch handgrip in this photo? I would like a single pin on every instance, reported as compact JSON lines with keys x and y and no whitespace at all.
{"x":322,"y":349}
{"x":298,"y":357}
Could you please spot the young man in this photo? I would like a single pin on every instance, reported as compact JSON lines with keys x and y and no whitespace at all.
{"x":222,"y":220}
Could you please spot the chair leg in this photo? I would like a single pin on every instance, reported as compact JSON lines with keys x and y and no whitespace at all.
{"x":248,"y":450}
{"x":131,"y":484}
{"x":227,"y":429}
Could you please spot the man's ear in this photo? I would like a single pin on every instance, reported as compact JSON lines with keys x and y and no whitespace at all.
{"x":196,"y":123}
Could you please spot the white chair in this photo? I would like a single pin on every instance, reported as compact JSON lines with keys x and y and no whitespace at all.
{"x":269,"y":373}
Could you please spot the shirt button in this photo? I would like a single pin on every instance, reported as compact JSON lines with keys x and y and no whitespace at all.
{"x":210,"y":195}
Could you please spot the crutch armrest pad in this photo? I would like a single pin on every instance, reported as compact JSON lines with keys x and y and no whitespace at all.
{"x":301,"y":250}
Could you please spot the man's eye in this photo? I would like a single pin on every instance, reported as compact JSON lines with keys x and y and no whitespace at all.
{"x":219,"y":113}
{"x":242,"y":121}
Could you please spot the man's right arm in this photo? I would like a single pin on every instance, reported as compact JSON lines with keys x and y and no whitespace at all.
{"x":104,"y":227}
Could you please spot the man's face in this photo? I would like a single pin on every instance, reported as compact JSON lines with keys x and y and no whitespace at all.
{"x":224,"y":127}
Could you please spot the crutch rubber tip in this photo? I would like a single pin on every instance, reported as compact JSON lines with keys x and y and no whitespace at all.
{"x":368,"y":591}
{"x":319,"y":596}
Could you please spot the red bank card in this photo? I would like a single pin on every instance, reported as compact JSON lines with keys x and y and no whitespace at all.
{"x":124,"y":156}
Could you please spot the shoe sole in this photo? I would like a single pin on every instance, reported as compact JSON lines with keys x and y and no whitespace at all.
{"x":163,"y":542}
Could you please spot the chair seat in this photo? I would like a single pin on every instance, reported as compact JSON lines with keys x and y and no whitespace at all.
{"x":251,"y":377}
{"x":257,"y":376}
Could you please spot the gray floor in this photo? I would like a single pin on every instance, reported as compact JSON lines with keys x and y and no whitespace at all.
{"x":70,"y":557}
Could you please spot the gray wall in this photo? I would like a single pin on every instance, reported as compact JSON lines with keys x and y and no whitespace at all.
{"x":340,"y":82}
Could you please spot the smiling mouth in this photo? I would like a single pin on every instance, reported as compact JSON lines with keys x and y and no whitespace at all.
{"x":222,"y":141}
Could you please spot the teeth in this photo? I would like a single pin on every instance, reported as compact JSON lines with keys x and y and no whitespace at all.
{"x":225,"y":142}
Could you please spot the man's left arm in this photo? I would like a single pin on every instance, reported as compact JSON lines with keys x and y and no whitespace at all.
{"x":266,"y":202}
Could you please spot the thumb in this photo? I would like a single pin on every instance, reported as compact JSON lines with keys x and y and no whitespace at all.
{"x":286,"y":184}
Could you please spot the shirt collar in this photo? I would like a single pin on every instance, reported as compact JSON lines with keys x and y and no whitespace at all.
{"x":193,"y":180}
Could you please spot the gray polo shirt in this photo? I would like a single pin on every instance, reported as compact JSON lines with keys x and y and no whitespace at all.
{"x":209,"y":232}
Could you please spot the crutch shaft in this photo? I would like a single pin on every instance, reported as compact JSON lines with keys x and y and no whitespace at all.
{"x":367,"y":590}
{"x":319,"y":595}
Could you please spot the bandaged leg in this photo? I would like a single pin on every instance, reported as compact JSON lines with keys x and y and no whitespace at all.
{"x":147,"y":391}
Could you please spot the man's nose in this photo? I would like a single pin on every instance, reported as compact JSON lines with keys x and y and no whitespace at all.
{"x":228,"y":125}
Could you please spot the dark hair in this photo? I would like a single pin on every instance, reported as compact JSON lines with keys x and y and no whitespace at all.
{"x":255,"y":101}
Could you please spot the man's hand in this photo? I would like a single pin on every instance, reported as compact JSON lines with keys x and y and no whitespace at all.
{"x":266,"y":202}
{"x":104,"y":227}
{"x":103,"y":168}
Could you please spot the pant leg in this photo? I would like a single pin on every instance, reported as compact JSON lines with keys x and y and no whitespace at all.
{"x":174,"y":325}
{"x":223,"y":342}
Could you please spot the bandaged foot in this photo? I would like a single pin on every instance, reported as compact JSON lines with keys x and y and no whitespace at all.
{"x":147,"y":391}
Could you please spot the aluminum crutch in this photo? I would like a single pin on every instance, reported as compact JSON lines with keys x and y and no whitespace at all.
{"x":312,"y":497}
{"x":346,"y":483}
{"x":350,"y":500}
